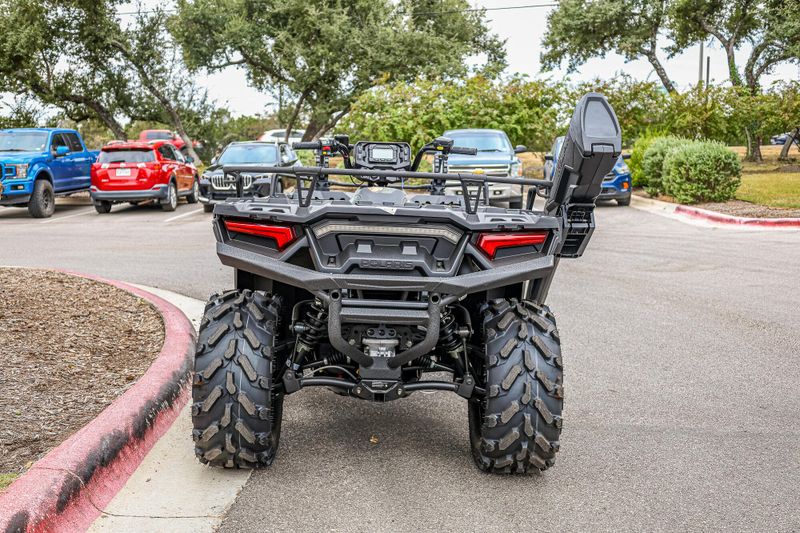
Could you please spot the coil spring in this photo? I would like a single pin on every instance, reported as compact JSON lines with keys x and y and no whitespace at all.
{"x":316,"y":325}
{"x":449,"y":339}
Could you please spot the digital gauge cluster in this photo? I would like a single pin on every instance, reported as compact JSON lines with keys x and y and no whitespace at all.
{"x":382,"y":155}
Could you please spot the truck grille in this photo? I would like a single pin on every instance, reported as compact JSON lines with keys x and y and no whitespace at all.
{"x":228,"y":182}
{"x":489,"y":170}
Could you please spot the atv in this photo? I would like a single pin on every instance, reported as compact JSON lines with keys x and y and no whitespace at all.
{"x":372,"y":281}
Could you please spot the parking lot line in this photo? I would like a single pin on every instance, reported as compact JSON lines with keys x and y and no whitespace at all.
{"x":183,"y":215}
{"x":54,"y":219}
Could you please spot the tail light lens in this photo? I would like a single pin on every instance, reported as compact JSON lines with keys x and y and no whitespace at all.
{"x":490,"y":243}
{"x":282,"y":235}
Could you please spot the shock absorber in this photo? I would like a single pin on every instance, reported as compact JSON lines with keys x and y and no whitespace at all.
{"x":449,"y":338}
{"x":309,"y":332}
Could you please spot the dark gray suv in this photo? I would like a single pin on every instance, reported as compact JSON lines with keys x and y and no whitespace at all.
{"x":216,"y":187}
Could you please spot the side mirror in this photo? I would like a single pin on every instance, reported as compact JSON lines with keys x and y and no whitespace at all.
{"x":520,"y":148}
{"x":626,"y":156}
{"x":589,"y":152}
{"x":61,"y":151}
{"x":548,"y":157}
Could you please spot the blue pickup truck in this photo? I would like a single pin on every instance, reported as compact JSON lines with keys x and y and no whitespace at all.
{"x":38,"y":164}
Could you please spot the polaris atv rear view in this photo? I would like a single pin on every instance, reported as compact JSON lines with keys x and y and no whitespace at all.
{"x":370,"y":292}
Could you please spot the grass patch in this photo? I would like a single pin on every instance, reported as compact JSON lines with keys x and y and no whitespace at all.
{"x":774,"y":189}
{"x":7,"y":479}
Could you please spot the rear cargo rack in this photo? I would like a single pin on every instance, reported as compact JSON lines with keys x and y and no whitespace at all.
{"x":308,"y":179}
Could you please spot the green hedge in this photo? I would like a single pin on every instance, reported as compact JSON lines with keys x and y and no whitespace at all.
{"x":638,"y":177}
{"x":701,"y":172}
{"x":653,"y":162}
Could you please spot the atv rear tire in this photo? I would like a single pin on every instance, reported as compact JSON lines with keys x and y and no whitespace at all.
{"x":516,"y":428}
{"x":236,"y":413}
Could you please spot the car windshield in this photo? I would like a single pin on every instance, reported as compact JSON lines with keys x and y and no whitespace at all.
{"x":23,"y":141}
{"x":126,"y":156}
{"x":484,"y":142}
{"x":239,"y":154}
{"x":158,"y":135}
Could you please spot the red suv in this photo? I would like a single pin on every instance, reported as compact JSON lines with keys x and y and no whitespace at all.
{"x":137,"y":171}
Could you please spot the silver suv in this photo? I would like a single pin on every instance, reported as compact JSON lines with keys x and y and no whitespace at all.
{"x":496,"y":157}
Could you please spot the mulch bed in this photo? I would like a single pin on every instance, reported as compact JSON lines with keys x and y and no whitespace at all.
{"x":746,"y":209}
{"x":68,"y":347}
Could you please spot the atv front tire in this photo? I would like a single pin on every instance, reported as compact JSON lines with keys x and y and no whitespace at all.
{"x":236,"y":413}
{"x":516,"y":428}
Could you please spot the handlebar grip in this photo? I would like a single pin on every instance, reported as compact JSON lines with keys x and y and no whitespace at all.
{"x":310,"y":145}
{"x":463,"y":151}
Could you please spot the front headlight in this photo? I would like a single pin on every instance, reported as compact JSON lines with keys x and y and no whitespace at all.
{"x":624,"y":168}
{"x":22,"y":171}
{"x":516,"y":170}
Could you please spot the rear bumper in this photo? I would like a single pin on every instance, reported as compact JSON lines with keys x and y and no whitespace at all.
{"x":129,"y":196}
{"x":320,"y":283}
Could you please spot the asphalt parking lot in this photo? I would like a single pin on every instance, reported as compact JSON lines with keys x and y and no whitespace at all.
{"x":681,"y":374}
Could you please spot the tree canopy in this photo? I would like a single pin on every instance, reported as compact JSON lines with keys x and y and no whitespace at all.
{"x":323,"y":54}
{"x":579,"y":30}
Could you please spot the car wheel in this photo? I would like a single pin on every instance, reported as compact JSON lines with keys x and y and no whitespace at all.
{"x":170,"y":203}
{"x":193,"y":196}
{"x":43,"y":201}
{"x":102,"y":207}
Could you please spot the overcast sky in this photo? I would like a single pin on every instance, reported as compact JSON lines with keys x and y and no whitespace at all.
{"x":523,"y":30}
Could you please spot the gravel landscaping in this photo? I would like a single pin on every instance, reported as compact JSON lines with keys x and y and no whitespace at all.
{"x":68,"y":347}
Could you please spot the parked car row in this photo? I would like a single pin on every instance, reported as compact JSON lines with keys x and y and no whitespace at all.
{"x":38,"y":164}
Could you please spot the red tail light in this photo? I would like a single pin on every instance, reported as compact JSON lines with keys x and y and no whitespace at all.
{"x":491,"y":242}
{"x":282,"y":235}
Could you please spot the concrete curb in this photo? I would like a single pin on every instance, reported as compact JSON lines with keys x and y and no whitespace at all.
{"x":720,"y":218}
{"x":704,"y":216}
{"x":66,"y":490}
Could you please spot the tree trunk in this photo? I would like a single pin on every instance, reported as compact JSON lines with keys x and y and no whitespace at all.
{"x":295,"y":114}
{"x":791,"y":138}
{"x":757,"y":157}
{"x":104,"y":115}
{"x":661,"y":72}
{"x":313,"y":129}
{"x":733,"y":71}
{"x":753,"y":147}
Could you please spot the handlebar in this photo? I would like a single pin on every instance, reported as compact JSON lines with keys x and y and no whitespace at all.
{"x":463,"y":150}
{"x":308,"y":145}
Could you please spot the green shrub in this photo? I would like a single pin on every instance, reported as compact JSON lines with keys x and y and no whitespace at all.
{"x":653,"y":162}
{"x":641,"y":145}
{"x":701,"y":172}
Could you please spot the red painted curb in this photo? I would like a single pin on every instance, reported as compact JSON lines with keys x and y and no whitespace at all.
{"x":720,"y":218}
{"x":67,"y":489}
